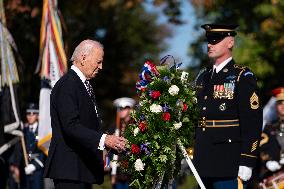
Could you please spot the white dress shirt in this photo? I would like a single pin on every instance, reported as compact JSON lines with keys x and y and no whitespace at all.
{"x":222,"y":65}
{"x":33,"y":127}
{"x":83,"y":79}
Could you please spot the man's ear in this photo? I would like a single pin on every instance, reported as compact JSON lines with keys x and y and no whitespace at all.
{"x":231,"y":43}
{"x":83,"y":60}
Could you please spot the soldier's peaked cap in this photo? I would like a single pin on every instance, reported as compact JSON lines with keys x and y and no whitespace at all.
{"x":124,"y":102}
{"x":217,"y":32}
{"x":224,"y":29}
{"x":32,"y":108}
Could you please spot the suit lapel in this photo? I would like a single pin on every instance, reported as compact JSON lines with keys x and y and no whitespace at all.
{"x":223,"y":73}
{"x":82,"y":87}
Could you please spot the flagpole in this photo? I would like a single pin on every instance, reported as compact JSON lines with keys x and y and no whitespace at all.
{"x":190,"y":164}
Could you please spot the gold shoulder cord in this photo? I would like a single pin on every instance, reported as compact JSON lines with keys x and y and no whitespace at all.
{"x":242,"y":68}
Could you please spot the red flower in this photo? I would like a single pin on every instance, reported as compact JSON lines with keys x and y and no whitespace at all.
{"x":135,"y":149}
{"x":142,"y":126}
{"x":184,"y":107}
{"x":166,"y":116}
{"x":155,"y":94}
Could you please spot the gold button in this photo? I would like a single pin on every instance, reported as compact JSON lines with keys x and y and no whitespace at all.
{"x":203,"y":118}
{"x":205,"y":97}
{"x":203,"y":129}
{"x":204,"y":108}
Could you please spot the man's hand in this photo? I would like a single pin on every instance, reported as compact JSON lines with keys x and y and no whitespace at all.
{"x":15,"y":173}
{"x":244,"y":173}
{"x":273,"y":165}
{"x":115,"y":142}
{"x":29,"y":169}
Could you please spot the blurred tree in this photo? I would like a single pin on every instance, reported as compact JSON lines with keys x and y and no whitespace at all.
{"x":128,"y":32}
{"x":260,"y":43}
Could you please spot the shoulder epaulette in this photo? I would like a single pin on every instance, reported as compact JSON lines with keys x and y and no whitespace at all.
{"x":199,"y":74}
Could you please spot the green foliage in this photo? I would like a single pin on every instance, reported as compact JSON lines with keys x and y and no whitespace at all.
{"x":155,"y":134}
{"x":249,"y":49}
{"x":127,"y":33}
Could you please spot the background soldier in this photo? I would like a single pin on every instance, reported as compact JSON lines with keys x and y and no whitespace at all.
{"x":228,"y":133}
{"x":272,"y":143}
{"x":34,"y":170}
{"x":124,"y":106}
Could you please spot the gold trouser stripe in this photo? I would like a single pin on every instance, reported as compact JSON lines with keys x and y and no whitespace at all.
{"x":248,"y":155}
{"x":240,"y":183}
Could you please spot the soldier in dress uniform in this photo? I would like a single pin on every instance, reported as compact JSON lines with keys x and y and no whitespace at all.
{"x":34,"y":170}
{"x":124,"y":106}
{"x":228,"y":133}
{"x":272,"y":143}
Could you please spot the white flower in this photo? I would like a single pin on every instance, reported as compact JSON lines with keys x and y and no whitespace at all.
{"x":135,"y":131}
{"x":184,"y":76}
{"x":139,"y":165}
{"x":177,"y":125}
{"x":155,"y":108}
{"x":173,"y":90}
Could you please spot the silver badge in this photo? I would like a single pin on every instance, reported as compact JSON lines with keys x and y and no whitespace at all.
{"x":222,"y":107}
{"x":225,"y":70}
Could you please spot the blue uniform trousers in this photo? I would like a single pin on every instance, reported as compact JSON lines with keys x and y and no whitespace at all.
{"x":121,"y":185}
{"x":35,"y":180}
{"x":223,"y":183}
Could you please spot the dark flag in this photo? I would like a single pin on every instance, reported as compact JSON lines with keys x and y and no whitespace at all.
{"x":9,"y":116}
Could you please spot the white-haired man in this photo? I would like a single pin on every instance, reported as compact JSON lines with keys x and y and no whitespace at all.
{"x":75,"y":158}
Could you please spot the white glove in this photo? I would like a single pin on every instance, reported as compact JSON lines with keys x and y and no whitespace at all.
{"x":281,"y":161}
{"x":245,"y":173}
{"x":29,"y":169}
{"x":273,"y":165}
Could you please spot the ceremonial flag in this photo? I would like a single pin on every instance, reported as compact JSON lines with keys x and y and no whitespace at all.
{"x":9,"y":119}
{"x":51,"y":66}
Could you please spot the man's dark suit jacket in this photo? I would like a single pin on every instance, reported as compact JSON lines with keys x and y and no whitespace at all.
{"x":76,"y":133}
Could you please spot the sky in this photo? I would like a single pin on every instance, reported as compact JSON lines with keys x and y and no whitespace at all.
{"x":182,"y":35}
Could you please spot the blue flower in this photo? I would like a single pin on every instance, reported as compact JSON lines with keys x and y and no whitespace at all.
{"x":142,"y":117}
{"x":144,"y":148}
{"x":165,"y":108}
{"x":166,"y":79}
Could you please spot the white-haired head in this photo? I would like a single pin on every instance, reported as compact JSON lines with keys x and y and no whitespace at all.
{"x":84,"y":48}
{"x":88,"y":57}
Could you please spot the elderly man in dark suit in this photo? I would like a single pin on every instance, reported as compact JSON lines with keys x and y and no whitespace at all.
{"x":75,"y":158}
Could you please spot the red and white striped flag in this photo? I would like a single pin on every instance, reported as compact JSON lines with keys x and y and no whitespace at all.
{"x":51,"y":66}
